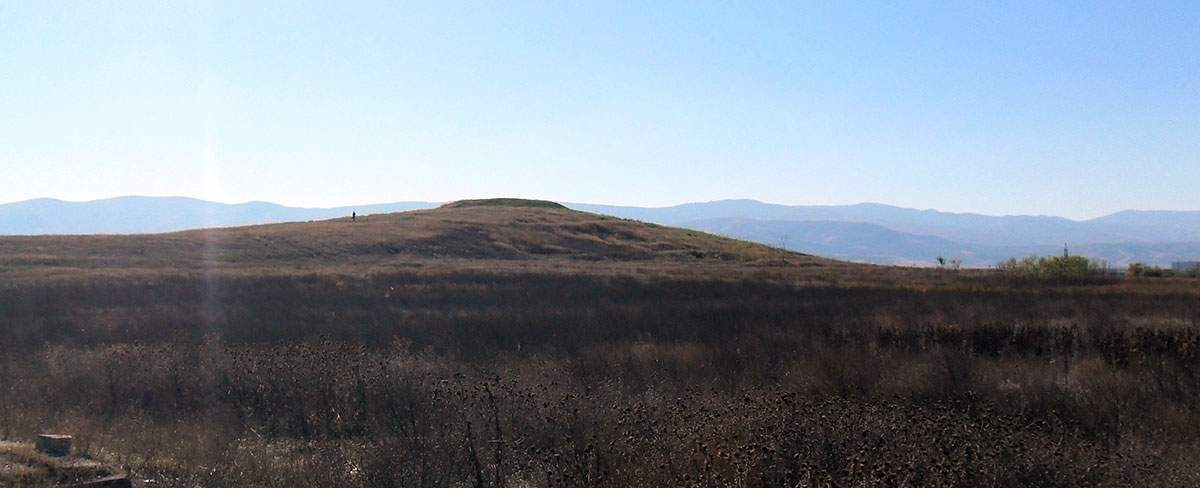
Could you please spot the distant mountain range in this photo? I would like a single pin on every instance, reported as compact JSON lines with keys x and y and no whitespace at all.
{"x":138,"y":215}
{"x":867,"y":232}
{"x":1009,"y":230}
{"x":885,"y":234}
{"x":874,"y":243}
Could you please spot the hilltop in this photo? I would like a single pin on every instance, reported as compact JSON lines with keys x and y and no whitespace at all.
{"x":505,"y":202}
{"x":499,"y":229}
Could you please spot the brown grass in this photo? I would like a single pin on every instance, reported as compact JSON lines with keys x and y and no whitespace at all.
{"x":22,"y":466}
{"x":499,"y":366}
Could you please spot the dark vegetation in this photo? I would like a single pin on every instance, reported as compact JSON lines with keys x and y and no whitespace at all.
{"x":1138,"y":270}
{"x":762,"y":369}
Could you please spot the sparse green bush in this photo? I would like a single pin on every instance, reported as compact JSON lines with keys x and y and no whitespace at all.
{"x":1136,"y":270}
{"x":1062,"y":268}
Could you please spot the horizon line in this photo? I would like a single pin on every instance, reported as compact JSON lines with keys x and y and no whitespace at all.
{"x":696,"y":202}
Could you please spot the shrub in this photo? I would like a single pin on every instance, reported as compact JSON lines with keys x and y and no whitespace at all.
{"x":1054,"y":267}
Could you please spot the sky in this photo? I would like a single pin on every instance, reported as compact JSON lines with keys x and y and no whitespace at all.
{"x":1064,"y":108}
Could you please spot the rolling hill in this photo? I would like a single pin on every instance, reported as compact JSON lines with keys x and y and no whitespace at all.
{"x":500,"y":229}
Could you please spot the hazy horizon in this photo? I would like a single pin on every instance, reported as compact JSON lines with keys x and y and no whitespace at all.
{"x":598,"y":203}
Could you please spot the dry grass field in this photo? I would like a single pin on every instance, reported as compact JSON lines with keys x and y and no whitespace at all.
{"x":512,"y":343}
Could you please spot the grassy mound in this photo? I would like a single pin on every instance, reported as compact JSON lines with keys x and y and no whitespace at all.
{"x":504,"y":202}
{"x":477,"y":230}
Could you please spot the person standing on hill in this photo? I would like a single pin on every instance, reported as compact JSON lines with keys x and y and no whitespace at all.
{"x":353,"y":216}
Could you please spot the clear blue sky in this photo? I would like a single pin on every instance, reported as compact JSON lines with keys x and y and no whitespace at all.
{"x":1069,"y":108}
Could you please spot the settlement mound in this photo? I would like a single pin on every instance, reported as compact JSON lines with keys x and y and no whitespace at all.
{"x":496,"y":229}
